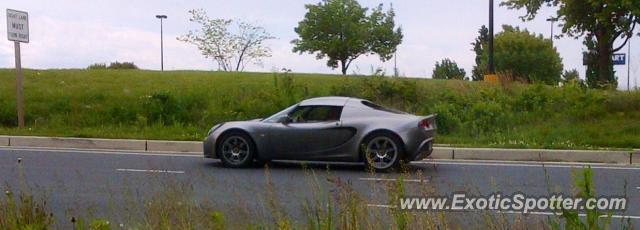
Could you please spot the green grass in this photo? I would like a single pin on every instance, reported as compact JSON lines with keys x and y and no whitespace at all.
{"x":183,"y":105}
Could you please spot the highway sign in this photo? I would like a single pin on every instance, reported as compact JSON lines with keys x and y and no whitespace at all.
{"x":619,"y":59}
{"x":17,"y":26}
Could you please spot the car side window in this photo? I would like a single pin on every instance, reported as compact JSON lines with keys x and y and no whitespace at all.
{"x":316,"y":114}
{"x":297,"y":115}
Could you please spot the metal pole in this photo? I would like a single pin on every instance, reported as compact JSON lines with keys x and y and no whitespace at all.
{"x":161,"y":48}
{"x":491,"y":67}
{"x":395,"y":64}
{"x":629,"y":63}
{"x":19,"y":96}
{"x":552,"y":20}
{"x":552,"y":32}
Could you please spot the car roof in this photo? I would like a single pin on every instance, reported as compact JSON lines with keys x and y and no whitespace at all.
{"x":332,"y":101}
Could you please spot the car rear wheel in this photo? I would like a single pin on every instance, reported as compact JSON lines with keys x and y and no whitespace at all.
{"x":236,"y":150}
{"x":382,"y":152}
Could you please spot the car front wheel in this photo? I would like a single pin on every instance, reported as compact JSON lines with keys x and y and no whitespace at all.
{"x":236,"y":150}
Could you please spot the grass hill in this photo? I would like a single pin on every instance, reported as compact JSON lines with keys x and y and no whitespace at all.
{"x":183,"y":105}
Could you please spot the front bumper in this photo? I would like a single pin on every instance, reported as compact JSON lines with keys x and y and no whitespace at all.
{"x":209,"y":147}
{"x":209,"y":143}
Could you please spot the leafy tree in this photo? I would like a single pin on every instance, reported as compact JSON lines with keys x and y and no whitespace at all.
{"x":448,"y":69}
{"x":342,"y":31}
{"x":479,"y":45}
{"x":601,"y":21}
{"x":526,"y":56}
{"x":232,"y":48}
{"x":590,"y":58}
{"x":570,"y":75}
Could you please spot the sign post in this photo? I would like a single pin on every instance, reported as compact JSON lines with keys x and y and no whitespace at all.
{"x":491,"y":73}
{"x":18,"y":31}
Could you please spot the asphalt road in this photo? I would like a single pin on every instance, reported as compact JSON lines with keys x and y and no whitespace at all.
{"x":114,"y":184}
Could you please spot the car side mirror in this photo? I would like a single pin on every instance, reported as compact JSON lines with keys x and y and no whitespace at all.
{"x":285,"y":120}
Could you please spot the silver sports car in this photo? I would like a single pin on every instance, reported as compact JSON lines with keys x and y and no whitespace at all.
{"x":325,"y":129}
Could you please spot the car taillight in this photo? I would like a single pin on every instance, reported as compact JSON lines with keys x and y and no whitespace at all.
{"x":426,"y":123}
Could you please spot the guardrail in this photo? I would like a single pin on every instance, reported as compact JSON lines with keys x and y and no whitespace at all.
{"x":450,"y":153}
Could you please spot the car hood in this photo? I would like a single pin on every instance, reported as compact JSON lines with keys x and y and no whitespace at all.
{"x":242,"y":122}
{"x":232,"y":123}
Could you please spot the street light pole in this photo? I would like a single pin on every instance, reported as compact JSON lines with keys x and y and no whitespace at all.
{"x":552,"y":20}
{"x":161,"y":17}
{"x":629,"y":63}
{"x":491,"y":67}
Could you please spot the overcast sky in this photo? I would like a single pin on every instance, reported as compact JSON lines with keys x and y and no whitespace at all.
{"x":77,"y":33}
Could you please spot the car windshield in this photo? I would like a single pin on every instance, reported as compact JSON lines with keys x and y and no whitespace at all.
{"x":276,"y":117}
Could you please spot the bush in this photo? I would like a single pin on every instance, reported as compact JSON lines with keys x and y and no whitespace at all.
{"x":486,"y":116}
{"x":112,"y":65}
{"x":533,"y":99}
{"x":401,"y":92}
{"x":122,"y":65}
{"x":8,"y":114}
{"x":97,"y":66}
{"x":448,"y":69}
{"x":448,"y":119}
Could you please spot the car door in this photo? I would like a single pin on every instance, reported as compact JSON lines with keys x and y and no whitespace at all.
{"x":311,"y":133}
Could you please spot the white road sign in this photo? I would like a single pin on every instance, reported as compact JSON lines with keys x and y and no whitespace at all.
{"x":17,"y":26}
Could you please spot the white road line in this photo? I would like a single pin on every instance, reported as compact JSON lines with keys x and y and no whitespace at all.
{"x":150,"y":171}
{"x":381,"y":206}
{"x":392,"y":179}
{"x":532,"y":164}
{"x":528,"y":213}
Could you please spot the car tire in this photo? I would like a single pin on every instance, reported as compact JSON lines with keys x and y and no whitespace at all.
{"x":382,"y":152}
{"x":236,"y":150}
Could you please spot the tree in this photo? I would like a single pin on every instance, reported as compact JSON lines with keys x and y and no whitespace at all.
{"x":603,"y":22}
{"x":526,"y":56}
{"x":570,"y":75}
{"x":231,"y":44}
{"x":342,"y":31}
{"x":590,"y":58}
{"x":448,"y":69}
{"x":479,"y":45}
